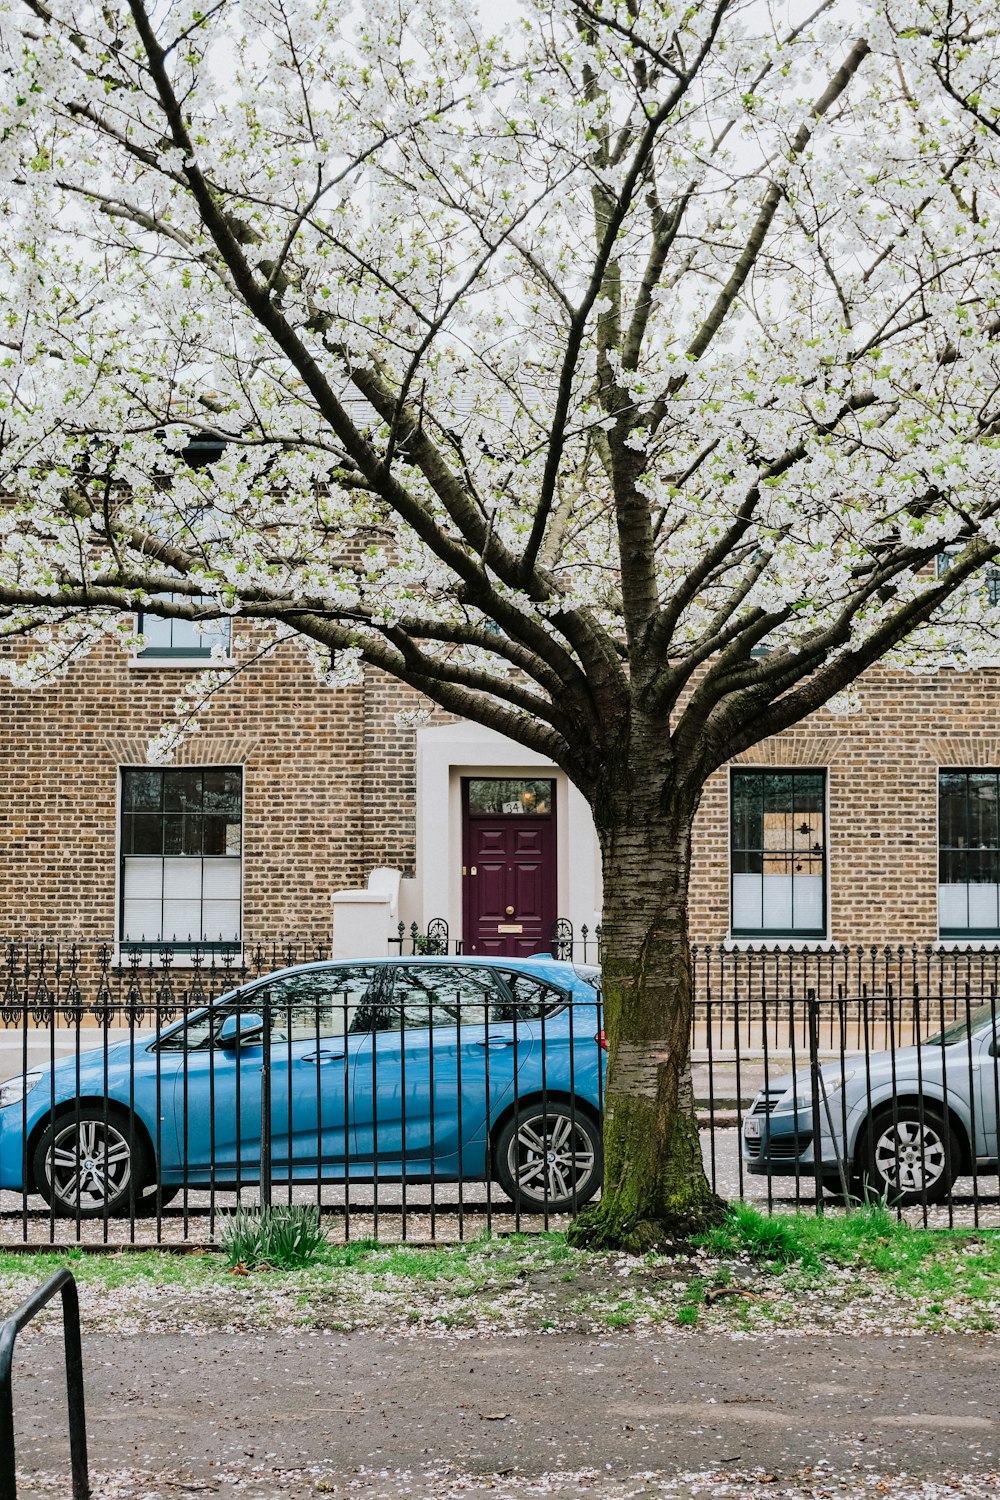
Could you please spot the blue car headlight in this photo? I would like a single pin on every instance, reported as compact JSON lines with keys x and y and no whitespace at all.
{"x":14,"y":1089}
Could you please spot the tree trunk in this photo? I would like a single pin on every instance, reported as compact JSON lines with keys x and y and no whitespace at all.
{"x":655,"y":1189}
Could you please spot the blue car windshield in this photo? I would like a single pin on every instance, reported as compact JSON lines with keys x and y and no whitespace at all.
{"x":978,"y":1018}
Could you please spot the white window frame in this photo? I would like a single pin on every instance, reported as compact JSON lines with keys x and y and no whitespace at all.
{"x":790,"y":942}
{"x":125,"y":946}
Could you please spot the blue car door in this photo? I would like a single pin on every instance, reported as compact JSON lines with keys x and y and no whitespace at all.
{"x":444,"y":1056}
{"x":214,"y":1097}
{"x":320,"y":1036}
{"x":218,"y":1090}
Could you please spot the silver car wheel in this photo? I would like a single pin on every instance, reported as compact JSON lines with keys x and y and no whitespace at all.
{"x":910,"y":1157}
{"x":89,"y":1164}
{"x":551,"y":1159}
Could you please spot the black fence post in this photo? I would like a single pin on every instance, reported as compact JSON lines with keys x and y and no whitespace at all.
{"x":265,"y":1109}
{"x":62,"y":1282}
{"x":812,"y":1006}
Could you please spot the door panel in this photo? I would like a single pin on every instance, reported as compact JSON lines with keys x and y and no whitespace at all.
{"x":509,"y":882}
{"x":439,"y":1074}
{"x":987,"y":1097}
{"x":319,"y":1030}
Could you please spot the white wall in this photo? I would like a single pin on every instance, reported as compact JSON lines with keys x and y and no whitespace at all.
{"x":446,"y":753}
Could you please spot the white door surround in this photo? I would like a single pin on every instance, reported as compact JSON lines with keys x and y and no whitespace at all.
{"x":446,"y":753}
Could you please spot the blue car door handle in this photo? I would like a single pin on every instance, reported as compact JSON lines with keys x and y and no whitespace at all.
{"x":496,"y":1041}
{"x":323,"y":1056}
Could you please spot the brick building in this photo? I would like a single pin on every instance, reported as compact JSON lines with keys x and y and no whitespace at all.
{"x":880,"y":826}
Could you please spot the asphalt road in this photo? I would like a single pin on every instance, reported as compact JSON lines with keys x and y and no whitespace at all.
{"x":359,"y":1404}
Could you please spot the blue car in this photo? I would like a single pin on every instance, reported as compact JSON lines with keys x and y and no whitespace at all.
{"x":432,"y":1069}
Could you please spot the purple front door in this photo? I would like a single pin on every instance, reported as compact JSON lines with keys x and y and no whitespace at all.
{"x":509,"y":866}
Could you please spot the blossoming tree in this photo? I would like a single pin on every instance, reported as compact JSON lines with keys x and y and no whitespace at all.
{"x":614,"y":372}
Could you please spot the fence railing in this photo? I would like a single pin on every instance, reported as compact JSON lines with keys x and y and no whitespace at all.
{"x":142,"y":1104}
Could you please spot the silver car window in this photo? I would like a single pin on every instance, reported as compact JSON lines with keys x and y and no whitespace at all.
{"x":978,"y":1018}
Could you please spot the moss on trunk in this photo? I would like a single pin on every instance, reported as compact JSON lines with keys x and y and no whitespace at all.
{"x":655,"y":1189}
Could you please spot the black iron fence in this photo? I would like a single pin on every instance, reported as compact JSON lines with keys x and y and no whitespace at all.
{"x":141,"y":1100}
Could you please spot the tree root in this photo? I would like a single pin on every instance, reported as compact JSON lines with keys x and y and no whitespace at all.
{"x":600,"y":1228}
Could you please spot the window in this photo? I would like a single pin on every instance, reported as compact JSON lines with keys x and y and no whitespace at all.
{"x":991,"y":574}
{"x":778,"y":859}
{"x":166,"y":638}
{"x":489,"y":796}
{"x":440,"y":995}
{"x":317,"y":1005}
{"x":181,"y":856}
{"x":968,"y":854}
{"x":533,"y":999}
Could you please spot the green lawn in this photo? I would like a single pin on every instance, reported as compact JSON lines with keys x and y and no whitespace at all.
{"x":821,"y":1274}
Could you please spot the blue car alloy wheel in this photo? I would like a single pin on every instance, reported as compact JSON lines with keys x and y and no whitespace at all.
{"x":88,"y":1162}
{"x":549,"y":1157}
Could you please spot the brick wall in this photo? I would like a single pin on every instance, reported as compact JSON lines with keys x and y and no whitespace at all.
{"x":301,"y":746}
{"x":330,"y":793}
{"x":881,"y":766}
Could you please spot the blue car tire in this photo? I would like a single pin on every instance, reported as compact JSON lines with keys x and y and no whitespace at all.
{"x":90,"y":1163}
{"x":549,"y":1157}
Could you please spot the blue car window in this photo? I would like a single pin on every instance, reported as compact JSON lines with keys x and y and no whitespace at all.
{"x":441,"y":995}
{"x":532,"y":997}
{"x":318,"y":1003}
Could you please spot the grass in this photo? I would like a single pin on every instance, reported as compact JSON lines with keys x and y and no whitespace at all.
{"x":751,"y":1272}
{"x":932,"y":1263}
{"x":471,"y":1261}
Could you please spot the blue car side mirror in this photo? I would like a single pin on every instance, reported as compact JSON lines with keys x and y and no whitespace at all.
{"x":237,"y":1031}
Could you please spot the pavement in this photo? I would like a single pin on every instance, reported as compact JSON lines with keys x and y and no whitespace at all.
{"x":364,"y":1415}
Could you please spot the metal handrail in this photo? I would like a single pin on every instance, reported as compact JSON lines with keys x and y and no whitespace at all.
{"x":63,"y":1282}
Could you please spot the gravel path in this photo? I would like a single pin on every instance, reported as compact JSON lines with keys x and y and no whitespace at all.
{"x":562,"y":1415}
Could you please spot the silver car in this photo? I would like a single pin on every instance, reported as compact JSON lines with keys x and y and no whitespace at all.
{"x":901,"y":1124}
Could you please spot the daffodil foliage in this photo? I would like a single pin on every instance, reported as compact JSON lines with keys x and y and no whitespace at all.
{"x":625,"y":375}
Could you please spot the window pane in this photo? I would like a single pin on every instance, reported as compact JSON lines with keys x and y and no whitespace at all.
{"x":953,"y":905}
{"x":182,"y":791}
{"x":222,"y":792}
{"x":143,"y":878}
{"x":142,"y":790}
{"x":181,"y":878}
{"x":182,"y":921}
{"x":156,"y":632}
{"x":220,"y":921}
{"x":221,"y":879}
{"x":216,"y":836}
{"x":489,"y":795}
{"x":747,"y":812}
{"x":532,"y":999}
{"x":141,"y":921}
{"x":969,"y":852}
{"x":778,"y":858}
{"x":142,"y":833}
{"x":438,"y":996}
{"x":322,"y":1003}
{"x":983,"y":906}
{"x":982,"y":810}
{"x":748,"y":898}
{"x":173,"y":835}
